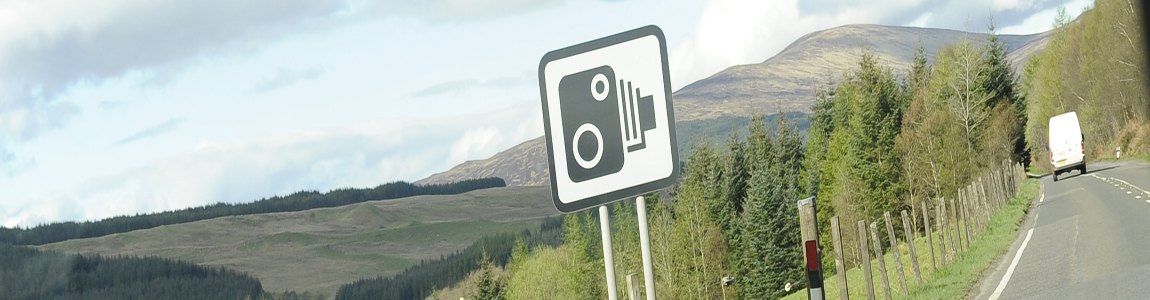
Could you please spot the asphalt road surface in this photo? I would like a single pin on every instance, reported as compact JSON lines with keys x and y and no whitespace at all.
{"x":1085,"y":237}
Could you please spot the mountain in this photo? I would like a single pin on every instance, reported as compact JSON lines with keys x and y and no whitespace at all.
{"x":788,"y":80}
{"x":320,"y":249}
{"x":785,"y":82}
{"x":518,"y":166}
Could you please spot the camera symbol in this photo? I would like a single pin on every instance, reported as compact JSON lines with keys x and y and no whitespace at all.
{"x":603,"y":118}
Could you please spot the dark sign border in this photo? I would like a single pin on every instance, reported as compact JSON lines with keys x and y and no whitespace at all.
{"x":606,"y":198}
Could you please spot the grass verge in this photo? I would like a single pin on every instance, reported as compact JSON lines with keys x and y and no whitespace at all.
{"x":955,"y":279}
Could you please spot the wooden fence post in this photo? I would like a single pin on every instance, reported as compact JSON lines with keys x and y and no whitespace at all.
{"x":913,"y":221}
{"x":977,"y":210}
{"x":881,"y":259}
{"x":944,"y":232}
{"x":910,"y":246}
{"x":894,"y":252}
{"x":988,"y":192}
{"x":864,"y":260}
{"x":633,"y":287}
{"x":994,"y":188}
{"x":966,"y":217}
{"x":929,"y":239}
{"x":961,"y":211}
{"x":978,"y":191}
{"x":962,"y":198}
{"x":957,"y":232}
{"x":987,"y":210}
{"x":1002,"y":188}
{"x":840,"y":265}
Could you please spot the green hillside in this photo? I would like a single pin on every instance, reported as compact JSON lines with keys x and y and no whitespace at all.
{"x":302,"y":200}
{"x":319,"y":250}
{"x":27,"y":273}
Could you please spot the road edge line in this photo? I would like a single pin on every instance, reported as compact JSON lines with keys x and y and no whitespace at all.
{"x":1010,"y":270}
{"x":1017,"y":256}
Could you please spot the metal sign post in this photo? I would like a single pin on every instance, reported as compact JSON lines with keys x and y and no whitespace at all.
{"x":608,"y":257}
{"x":645,"y":245}
{"x":610,"y":129}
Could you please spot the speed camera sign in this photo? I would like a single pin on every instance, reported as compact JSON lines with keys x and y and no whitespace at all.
{"x":608,"y":119}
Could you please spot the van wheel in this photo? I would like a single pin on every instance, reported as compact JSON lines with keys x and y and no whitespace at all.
{"x":1055,"y":176}
{"x":1082,"y":169}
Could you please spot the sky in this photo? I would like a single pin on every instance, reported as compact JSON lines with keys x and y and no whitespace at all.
{"x":121,"y":107}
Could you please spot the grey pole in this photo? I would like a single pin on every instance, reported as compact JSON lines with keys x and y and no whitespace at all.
{"x":608,"y":257}
{"x":645,"y":244}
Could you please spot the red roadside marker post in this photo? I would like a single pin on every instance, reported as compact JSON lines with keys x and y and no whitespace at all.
{"x":808,"y":227}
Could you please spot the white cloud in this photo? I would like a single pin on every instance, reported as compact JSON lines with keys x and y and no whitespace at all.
{"x":449,"y":87}
{"x":474,"y":140}
{"x":1044,"y":20}
{"x":360,"y":155}
{"x":41,"y":212}
{"x":48,"y":46}
{"x":287,"y":76}
{"x":732,"y":32}
{"x":158,"y":129}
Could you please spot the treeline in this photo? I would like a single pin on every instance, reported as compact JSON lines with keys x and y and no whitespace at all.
{"x":28,"y":273}
{"x":879,"y":143}
{"x":732,"y":216}
{"x":876,"y":143}
{"x":299,"y":201}
{"x":1095,"y":66}
{"x":715,"y":131}
{"x":420,"y":281}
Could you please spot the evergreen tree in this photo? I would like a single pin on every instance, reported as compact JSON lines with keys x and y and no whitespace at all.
{"x":490,"y":287}
{"x":1002,"y":85}
{"x":852,"y":144}
{"x":770,"y":245}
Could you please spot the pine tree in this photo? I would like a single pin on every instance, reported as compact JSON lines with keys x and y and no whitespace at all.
{"x":1002,"y":85}
{"x":490,"y":287}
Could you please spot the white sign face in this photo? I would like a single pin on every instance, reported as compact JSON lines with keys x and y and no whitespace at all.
{"x":608,"y":118}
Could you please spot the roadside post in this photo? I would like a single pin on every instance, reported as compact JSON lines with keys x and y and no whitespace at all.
{"x":610,"y":129}
{"x":808,"y":228}
{"x":608,"y":256}
{"x":840,"y":265}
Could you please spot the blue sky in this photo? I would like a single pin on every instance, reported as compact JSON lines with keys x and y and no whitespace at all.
{"x":131,"y":106}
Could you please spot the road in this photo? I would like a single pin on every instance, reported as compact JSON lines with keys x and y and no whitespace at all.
{"x":1085,"y":237}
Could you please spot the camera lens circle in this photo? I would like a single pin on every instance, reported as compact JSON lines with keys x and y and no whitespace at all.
{"x":600,"y":87}
{"x":585,"y":128}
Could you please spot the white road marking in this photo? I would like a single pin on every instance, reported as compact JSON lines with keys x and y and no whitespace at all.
{"x":1121,"y":187}
{"x":1131,"y":185}
{"x":1010,"y":270}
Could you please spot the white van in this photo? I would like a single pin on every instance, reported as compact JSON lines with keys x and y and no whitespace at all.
{"x":1066,"y":146}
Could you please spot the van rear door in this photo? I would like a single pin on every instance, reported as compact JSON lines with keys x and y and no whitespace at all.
{"x":1066,"y":146}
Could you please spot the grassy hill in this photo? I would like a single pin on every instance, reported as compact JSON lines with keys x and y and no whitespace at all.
{"x":320,"y":249}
